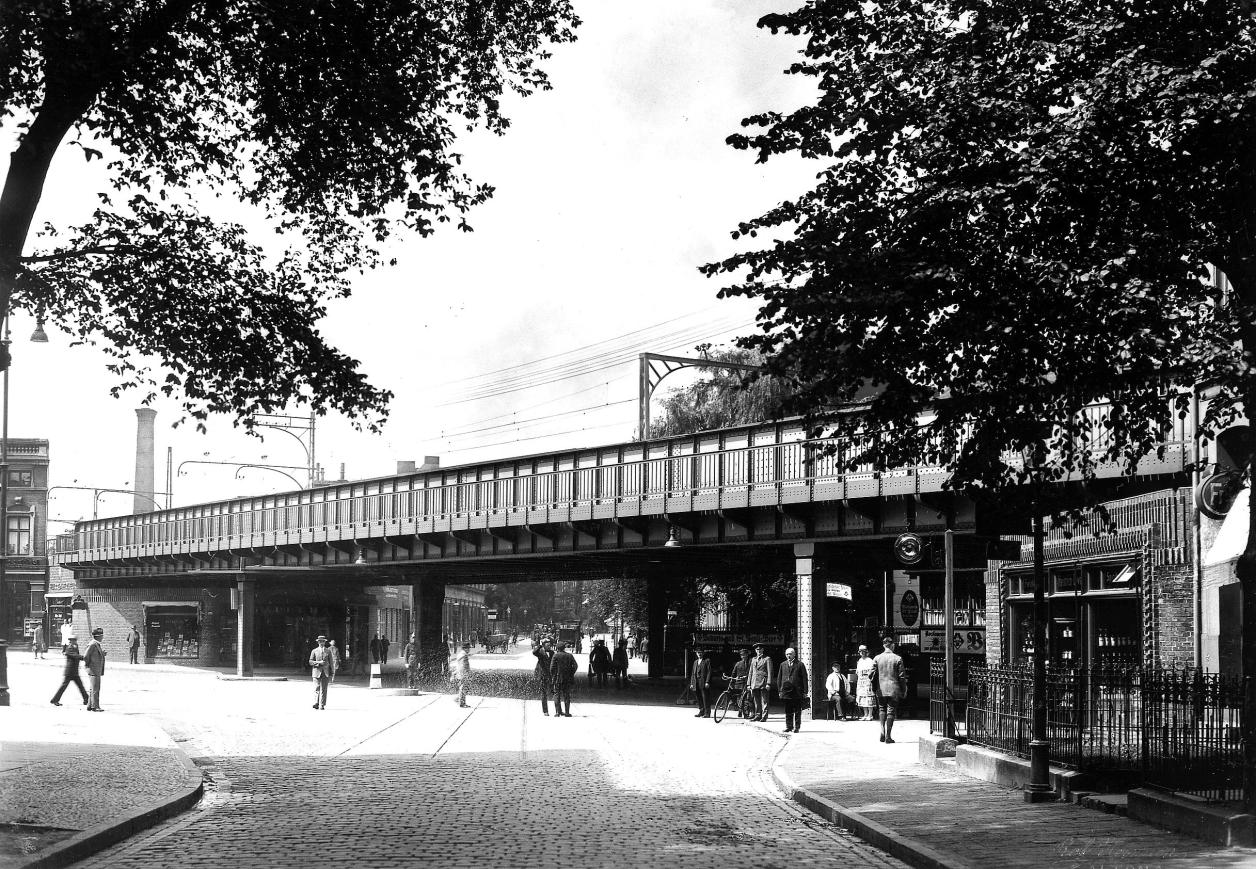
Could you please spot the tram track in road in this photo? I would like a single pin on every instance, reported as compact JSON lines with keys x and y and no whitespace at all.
{"x":473,"y":709}
{"x":383,"y":730}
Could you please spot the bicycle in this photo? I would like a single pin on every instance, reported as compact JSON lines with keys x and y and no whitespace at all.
{"x":740,"y":699}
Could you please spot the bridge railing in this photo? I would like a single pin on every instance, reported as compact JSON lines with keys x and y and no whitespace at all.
{"x":732,"y":468}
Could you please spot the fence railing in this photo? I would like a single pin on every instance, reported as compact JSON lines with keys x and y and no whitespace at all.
{"x":1180,"y":729}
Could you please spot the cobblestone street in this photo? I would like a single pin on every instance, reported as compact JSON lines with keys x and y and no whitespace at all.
{"x":386,"y":780}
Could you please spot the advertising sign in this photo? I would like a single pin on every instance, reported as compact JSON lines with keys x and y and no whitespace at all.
{"x":906,"y":600}
{"x":838,"y":589}
{"x":966,"y":642}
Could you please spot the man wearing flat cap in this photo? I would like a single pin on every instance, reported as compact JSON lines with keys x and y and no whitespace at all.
{"x":322,"y":668}
{"x":759,"y":681}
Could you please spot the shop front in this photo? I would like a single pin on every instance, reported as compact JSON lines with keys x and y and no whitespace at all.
{"x":172,"y":631}
{"x":1094,"y":614}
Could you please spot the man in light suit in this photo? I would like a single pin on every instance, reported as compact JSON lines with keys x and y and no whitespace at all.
{"x":759,"y":681}
{"x":890,"y":676}
{"x":322,"y":668}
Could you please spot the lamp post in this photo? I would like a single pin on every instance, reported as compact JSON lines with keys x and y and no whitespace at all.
{"x":1038,"y":789}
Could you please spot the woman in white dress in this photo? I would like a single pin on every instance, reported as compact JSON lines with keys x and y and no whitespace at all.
{"x":864,"y":697}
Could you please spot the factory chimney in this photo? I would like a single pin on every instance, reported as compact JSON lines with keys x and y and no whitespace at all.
{"x":145,"y":461}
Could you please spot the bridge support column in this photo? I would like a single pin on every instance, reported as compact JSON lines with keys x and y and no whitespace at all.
{"x":429,"y":611}
{"x":656,"y":617}
{"x":246,"y":592}
{"x":810,"y":637}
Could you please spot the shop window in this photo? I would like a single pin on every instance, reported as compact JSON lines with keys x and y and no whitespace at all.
{"x":1109,"y":577}
{"x":21,"y":479}
{"x":19,"y":542}
{"x":172,"y":632}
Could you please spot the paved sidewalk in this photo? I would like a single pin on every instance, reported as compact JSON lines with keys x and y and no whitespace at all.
{"x":72,"y":783}
{"x":935,"y":817}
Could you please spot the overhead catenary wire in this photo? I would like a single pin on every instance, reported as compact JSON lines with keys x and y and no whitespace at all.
{"x":588,"y":365}
{"x":510,"y":385}
{"x":615,"y":340}
{"x":531,"y":421}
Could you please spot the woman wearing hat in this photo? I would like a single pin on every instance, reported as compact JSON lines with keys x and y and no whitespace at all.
{"x":864,"y":695}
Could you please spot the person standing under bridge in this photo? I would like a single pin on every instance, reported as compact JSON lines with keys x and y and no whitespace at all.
{"x":759,"y":681}
{"x":322,"y":668}
{"x":461,"y":673}
{"x":563,"y":673}
{"x":544,"y":655}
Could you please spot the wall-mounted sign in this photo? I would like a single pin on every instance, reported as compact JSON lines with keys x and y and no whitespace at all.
{"x":909,"y":608}
{"x":838,"y":589}
{"x":1215,"y":494}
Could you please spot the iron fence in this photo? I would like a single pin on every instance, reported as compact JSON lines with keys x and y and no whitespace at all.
{"x":1178,"y":729}
{"x":940,"y":704}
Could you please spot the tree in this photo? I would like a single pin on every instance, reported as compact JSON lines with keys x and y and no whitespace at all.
{"x":1018,"y":212}
{"x":726,"y":398}
{"x":332,"y":120}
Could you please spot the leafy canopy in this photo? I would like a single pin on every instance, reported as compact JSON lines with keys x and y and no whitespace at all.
{"x":333,"y":119}
{"x":1018,"y":206}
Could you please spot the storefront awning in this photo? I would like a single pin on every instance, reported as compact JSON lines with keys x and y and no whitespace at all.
{"x":151,"y":603}
{"x":1231,"y":540}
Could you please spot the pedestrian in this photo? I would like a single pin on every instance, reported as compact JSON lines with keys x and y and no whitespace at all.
{"x":375,"y":648}
{"x":410,"y":654}
{"x":865,"y":697}
{"x":600,"y":662}
{"x":619,"y":663}
{"x":837,"y":688}
{"x":644,"y":646}
{"x":133,"y":643}
{"x":322,"y":668}
{"x":632,"y":645}
{"x":700,"y":681}
{"x":67,"y":632}
{"x":737,"y":680}
{"x":544,"y":655}
{"x":891,"y":686}
{"x":335,"y":660}
{"x":383,"y":650}
{"x":72,"y":659}
{"x":759,"y":681}
{"x":794,"y":688}
{"x":461,"y":672}
{"x":94,"y":657}
{"x":562,"y":674}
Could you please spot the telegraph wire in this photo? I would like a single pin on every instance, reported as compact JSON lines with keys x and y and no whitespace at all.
{"x":536,"y":437}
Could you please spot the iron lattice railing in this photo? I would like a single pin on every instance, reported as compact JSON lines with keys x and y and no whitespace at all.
{"x":1180,"y":729}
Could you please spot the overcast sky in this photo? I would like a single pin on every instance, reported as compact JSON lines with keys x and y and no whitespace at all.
{"x":611,"y":190}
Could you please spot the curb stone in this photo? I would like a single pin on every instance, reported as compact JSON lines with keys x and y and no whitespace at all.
{"x":95,"y":839}
{"x":904,"y":848}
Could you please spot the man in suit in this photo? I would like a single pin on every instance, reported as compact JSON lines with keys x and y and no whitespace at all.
{"x":72,"y":659}
{"x":741,"y":670}
{"x":375,"y":648}
{"x":793,"y":685}
{"x":95,"y":660}
{"x":759,"y":681}
{"x":563,"y":673}
{"x":891,"y":683}
{"x":700,"y":681}
{"x":411,"y":656}
{"x":133,"y":643}
{"x":544,"y":655}
{"x":322,"y":668}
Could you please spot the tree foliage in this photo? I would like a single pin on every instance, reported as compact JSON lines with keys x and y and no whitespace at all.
{"x":727,"y":397}
{"x":1017,"y":212}
{"x":334,"y":120}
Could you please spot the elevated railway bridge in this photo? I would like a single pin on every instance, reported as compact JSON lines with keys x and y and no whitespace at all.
{"x":761,"y":495}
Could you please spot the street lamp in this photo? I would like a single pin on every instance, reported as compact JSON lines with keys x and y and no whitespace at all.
{"x":1038,"y":789}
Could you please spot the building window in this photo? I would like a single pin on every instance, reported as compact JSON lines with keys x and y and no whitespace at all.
{"x":20,"y":534}
{"x":21,"y":479}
